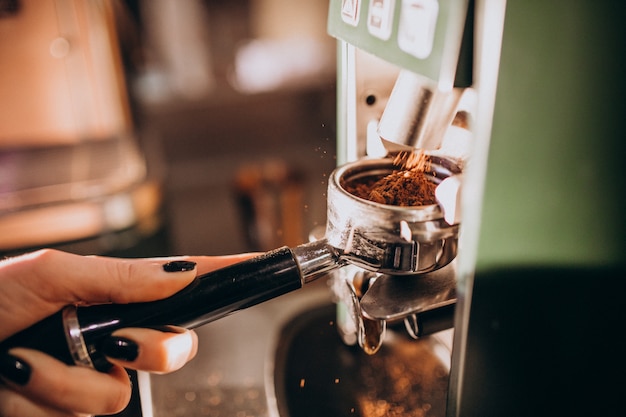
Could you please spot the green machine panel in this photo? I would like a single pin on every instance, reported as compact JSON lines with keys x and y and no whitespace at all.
{"x":419,"y":35}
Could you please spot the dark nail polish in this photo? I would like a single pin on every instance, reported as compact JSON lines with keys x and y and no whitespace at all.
{"x":179,"y":266}
{"x":120,"y":348}
{"x":14,"y":369}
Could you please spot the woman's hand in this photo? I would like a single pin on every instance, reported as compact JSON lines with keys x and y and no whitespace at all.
{"x":36,"y":285}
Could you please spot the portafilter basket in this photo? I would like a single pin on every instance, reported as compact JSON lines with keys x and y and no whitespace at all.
{"x":396,"y":240}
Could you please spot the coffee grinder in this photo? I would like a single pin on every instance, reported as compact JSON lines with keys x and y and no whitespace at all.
{"x":413,"y":76}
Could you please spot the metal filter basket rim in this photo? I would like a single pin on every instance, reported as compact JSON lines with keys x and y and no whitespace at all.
{"x":440,"y":169}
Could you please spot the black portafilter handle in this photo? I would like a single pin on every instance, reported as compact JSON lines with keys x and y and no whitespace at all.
{"x":74,"y":335}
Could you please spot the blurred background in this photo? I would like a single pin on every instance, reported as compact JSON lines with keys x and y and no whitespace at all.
{"x":144,"y":128}
{"x":155,"y":127}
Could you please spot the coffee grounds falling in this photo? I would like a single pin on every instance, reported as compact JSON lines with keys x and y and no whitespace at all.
{"x":406,"y":186}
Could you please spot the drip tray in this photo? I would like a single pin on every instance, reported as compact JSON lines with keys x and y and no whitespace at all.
{"x":315,"y":374}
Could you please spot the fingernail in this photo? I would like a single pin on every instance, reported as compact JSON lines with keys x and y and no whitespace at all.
{"x":14,"y":369}
{"x":179,"y":266}
{"x":120,"y":348}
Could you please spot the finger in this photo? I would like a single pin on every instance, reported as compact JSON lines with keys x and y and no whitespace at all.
{"x":13,"y":404}
{"x":32,"y":294}
{"x":152,"y":350}
{"x":73,"y":388}
{"x":39,"y":284}
{"x":135,"y":280}
{"x":211,"y":263}
{"x":97,"y":279}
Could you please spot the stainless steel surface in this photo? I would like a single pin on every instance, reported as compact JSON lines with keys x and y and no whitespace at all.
{"x":316,"y":258}
{"x":407,"y":243}
{"x":243,"y":365}
{"x":314,"y":374}
{"x":385,"y":238}
{"x":418,"y":114}
{"x":229,"y":375}
{"x":391,"y":297}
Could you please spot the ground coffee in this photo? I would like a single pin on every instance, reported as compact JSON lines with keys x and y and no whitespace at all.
{"x":406,"y":186}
